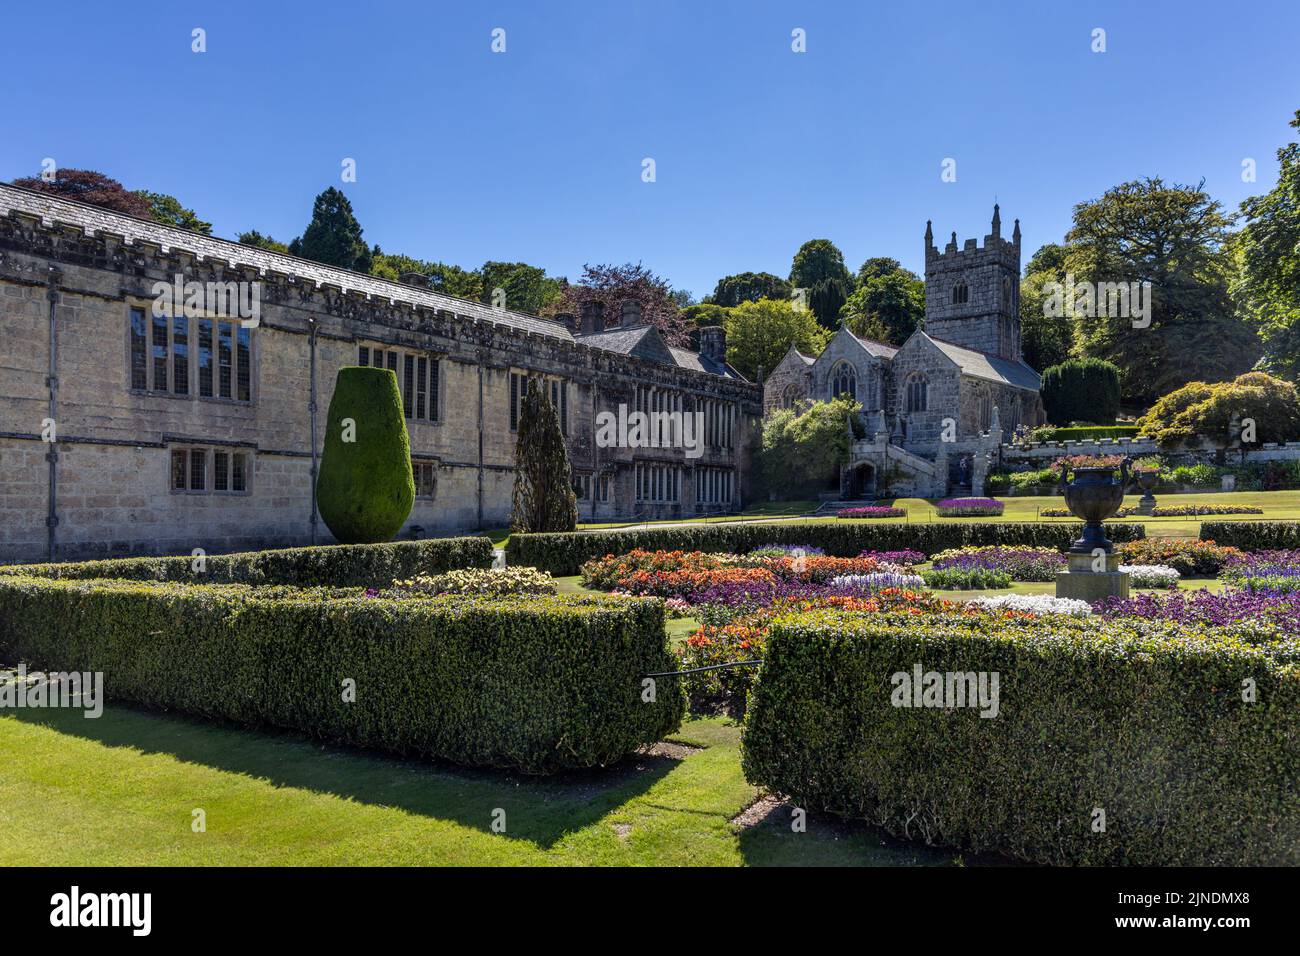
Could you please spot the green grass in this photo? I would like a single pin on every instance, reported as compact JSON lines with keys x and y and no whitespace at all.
{"x":120,"y":790}
{"x":1277,"y":505}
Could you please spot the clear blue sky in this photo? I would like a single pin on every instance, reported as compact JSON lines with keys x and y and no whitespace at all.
{"x":465,"y":155}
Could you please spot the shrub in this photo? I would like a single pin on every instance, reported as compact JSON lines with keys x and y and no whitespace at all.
{"x":1144,"y":719}
{"x":561,"y":554}
{"x":1198,"y":476}
{"x":968,"y":507}
{"x":488,"y":583}
{"x":966,"y":579}
{"x":1085,"y":389}
{"x":1192,"y":559}
{"x":366,"y":487}
{"x":358,"y":565}
{"x":1084,"y":432}
{"x":1253,"y":535}
{"x":543,"y":493}
{"x":802,"y":449}
{"x":1198,"y":410}
{"x":536,"y":685}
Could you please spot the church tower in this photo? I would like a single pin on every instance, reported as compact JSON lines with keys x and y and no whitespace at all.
{"x":972,"y":294}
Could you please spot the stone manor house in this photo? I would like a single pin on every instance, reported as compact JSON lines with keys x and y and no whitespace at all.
{"x":122,"y":431}
{"x":933,"y":409}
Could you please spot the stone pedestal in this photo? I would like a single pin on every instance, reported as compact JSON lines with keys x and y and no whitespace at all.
{"x":1085,"y":584}
{"x":1145,"y":507}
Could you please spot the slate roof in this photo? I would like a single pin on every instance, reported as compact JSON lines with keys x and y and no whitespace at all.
{"x":879,"y":349}
{"x":702,"y":363}
{"x":644,"y":341}
{"x":990,"y":367}
{"x":52,"y":209}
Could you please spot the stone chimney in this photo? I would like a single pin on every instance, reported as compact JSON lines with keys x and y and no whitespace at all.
{"x":593,"y":317}
{"x":418,"y":279}
{"x":567,"y":320}
{"x":713,"y":343}
{"x":631,"y":312}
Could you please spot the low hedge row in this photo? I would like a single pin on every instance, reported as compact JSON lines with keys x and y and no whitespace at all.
{"x":339,"y":565}
{"x":1141,"y":720}
{"x":536,"y":684}
{"x":1253,"y":535}
{"x":563,"y":553}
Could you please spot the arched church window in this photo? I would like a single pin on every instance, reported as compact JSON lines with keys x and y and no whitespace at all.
{"x":960,"y":294}
{"x":790,"y":396}
{"x":985,"y":407}
{"x":917,"y":393}
{"x":844,"y":381}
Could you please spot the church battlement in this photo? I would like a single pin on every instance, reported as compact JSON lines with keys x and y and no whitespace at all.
{"x":972,"y":292}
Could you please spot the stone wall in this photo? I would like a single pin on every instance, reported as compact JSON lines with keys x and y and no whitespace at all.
{"x":114,"y":444}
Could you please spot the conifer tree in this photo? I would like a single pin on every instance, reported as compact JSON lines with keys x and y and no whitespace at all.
{"x":544,"y":498}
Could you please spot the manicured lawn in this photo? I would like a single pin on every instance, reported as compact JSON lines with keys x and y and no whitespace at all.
{"x":120,"y":790}
{"x":1277,"y":505}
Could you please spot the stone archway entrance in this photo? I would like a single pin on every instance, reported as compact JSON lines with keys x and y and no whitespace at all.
{"x":861,"y":481}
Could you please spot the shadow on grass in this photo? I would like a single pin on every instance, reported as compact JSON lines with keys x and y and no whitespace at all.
{"x":767,"y":839}
{"x":539,"y":810}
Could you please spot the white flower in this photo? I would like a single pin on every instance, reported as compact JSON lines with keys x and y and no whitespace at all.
{"x":1035,"y":604}
{"x":1150,"y":575}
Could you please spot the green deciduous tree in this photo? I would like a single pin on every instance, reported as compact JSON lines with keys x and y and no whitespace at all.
{"x":1081,"y":390}
{"x":749,"y":287}
{"x":802,"y":451}
{"x":254,"y":238}
{"x":888,"y":304}
{"x":1268,"y":288}
{"x":1045,"y":340}
{"x":760,"y":333}
{"x":543,"y":494}
{"x":525,"y":288}
{"x":1201,"y":410}
{"x":1173,"y":237}
{"x":168,"y":209}
{"x":333,"y":236}
{"x":442,"y":277}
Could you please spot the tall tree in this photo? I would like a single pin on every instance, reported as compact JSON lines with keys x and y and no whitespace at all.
{"x":749,"y":287}
{"x":1045,"y":340}
{"x":89,"y":186}
{"x":543,"y":493}
{"x":610,"y":285}
{"x":168,"y":209}
{"x":333,"y":236}
{"x":525,"y":288}
{"x":819,"y":269}
{"x":1171,"y":236}
{"x":760,"y":333}
{"x":889,"y":302}
{"x":1268,"y":287}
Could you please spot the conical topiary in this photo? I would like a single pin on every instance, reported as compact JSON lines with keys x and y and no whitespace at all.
{"x":544,"y":499}
{"x":365,"y":489}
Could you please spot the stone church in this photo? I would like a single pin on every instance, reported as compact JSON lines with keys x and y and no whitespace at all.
{"x":128,"y":428}
{"x":934,"y":409}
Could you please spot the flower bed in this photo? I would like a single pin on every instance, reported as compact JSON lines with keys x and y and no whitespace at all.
{"x":1033,"y":604}
{"x":905,"y":558}
{"x":969,"y":507}
{"x":487,"y":583}
{"x":1188,"y":558}
{"x":1162,"y":511}
{"x":1022,"y":564}
{"x":1255,"y":617}
{"x":966,"y":579}
{"x":878,"y":581}
{"x":871,"y":511}
{"x":1151,"y":575}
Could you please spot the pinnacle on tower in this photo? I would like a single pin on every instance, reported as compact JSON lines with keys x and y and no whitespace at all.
{"x":929,"y":235}
{"x":1015,"y":233}
{"x":997,"y":222}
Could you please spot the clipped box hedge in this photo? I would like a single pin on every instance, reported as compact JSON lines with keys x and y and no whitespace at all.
{"x":1140,"y":719}
{"x":1253,"y":535}
{"x":337,"y":565}
{"x":564,"y":553}
{"x":537,"y":684}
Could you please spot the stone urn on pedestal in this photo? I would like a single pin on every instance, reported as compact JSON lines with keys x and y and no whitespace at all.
{"x":1093,"y":495}
{"x":1147,"y":480}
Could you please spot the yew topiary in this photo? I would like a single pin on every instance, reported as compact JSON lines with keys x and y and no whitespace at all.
{"x":365,"y":489}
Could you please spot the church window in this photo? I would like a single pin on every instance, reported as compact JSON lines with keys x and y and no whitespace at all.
{"x":960,"y":294}
{"x":917,"y":394}
{"x":844,"y":381}
{"x":790,"y":396}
